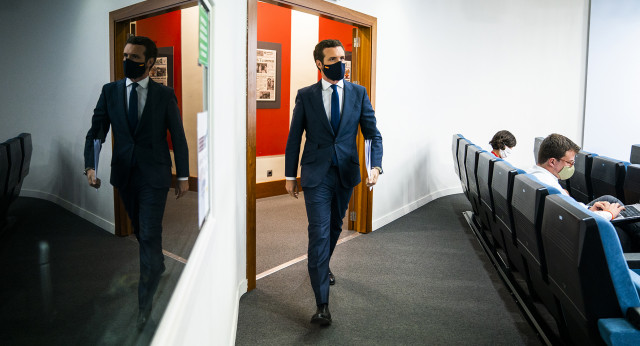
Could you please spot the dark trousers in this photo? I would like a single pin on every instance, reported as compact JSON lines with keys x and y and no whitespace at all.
{"x":326,"y":205}
{"x":145,"y":206}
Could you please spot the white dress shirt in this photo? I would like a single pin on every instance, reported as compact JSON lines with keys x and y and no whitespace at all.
{"x":548,"y":178}
{"x":327,"y":91}
{"x":142,"y":89}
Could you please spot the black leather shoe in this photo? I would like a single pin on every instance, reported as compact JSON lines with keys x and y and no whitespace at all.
{"x":322,"y":315}
{"x":332,"y":279}
{"x":143,"y":318}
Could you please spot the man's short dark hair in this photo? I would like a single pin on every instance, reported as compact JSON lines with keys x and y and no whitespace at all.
{"x":318,"y":52}
{"x":555,"y":146}
{"x":503,"y":139}
{"x":150,"y":49}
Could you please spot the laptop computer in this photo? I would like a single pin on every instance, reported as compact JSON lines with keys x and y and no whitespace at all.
{"x":630,"y":214}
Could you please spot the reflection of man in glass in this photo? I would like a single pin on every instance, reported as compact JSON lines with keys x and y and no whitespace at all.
{"x":139,"y":112}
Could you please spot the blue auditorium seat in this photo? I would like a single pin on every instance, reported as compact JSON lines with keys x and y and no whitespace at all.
{"x":528,"y":204}
{"x":15,"y":163}
{"x":484,"y":172}
{"x":462,"y":156}
{"x":587,"y":271}
{"x":631,"y":184}
{"x":607,"y":177}
{"x":471,"y":166}
{"x":580,"y":183}
{"x":635,"y":154}
{"x":454,"y":150}
{"x":502,"y":190}
{"x":27,"y":147}
{"x":4,"y":178}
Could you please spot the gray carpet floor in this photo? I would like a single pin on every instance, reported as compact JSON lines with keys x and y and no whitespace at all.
{"x":281,"y":231}
{"x":420,"y":280}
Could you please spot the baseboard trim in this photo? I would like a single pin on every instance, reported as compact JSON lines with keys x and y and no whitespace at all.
{"x":105,"y":224}
{"x":406,"y":209}
{"x":193,"y":183}
{"x":272,"y":188}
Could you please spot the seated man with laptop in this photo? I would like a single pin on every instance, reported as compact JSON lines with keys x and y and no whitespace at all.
{"x":556,"y":160}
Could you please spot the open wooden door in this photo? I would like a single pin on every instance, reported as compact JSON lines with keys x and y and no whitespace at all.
{"x":359,"y":214}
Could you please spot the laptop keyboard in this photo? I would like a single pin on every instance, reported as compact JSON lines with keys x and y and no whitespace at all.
{"x":630,"y":211}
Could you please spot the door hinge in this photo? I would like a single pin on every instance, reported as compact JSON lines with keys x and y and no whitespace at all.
{"x":356,"y":42}
{"x":352,"y":216}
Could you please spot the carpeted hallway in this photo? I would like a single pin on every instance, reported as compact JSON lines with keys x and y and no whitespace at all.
{"x":420,"y":280}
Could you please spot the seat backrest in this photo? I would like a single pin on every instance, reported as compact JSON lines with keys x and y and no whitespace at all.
{"x":607,"y":177}
{"x":632,"y":184}
{"x":536,"y":147}
{"x":502,"y":190}
{"x":4,"y":168}
{"x":580,"y":186}
{"x":471,"y":166}
{"x":454,"y":150}
{"x":528,"y":204}
{"x":577,"y":266}
{"x":484,"y":172}
{"x":15,"y":162}
{"x":462,"y":156}
{"x":635,"y":154}
{"x":27,"y":149}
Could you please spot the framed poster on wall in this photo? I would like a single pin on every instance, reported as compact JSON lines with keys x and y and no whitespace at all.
{"x":268,"y":72}
{"x":162,"y":70}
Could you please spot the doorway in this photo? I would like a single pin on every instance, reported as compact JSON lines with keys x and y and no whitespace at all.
{"x":360,"y":40}
{"x":174,"y":28}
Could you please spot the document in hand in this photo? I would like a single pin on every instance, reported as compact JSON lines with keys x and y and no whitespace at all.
{"x":97,"y":146}
{"x":367,"y":158}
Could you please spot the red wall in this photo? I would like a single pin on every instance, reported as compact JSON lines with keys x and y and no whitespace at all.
{"x":330,"y":29}
{"x":165,"y":30}
{"x":272,"y":125}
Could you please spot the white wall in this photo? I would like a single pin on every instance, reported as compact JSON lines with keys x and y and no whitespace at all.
{"x":613,"y":80}
{"x":54,"y":61}
{"x":470,"y":67}
{"x":204,"y":307}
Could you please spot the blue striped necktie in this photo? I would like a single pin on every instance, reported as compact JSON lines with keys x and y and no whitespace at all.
{"x":335,"y":117}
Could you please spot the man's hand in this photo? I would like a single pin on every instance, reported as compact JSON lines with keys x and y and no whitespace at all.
{"x":292,"y":188}
{"x":182,"y":186}
{"x":613,"y":208}
{"x":91,"y":177}
{"x":373,"y":177}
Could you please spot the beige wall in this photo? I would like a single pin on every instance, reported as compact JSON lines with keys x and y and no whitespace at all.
{"x":191,"y":85}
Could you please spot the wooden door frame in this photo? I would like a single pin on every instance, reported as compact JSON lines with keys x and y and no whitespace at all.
{"x":118,"y":31}
{"x":362,"y":197}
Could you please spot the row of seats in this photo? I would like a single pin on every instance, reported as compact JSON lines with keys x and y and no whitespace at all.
{"x":567,"y":261}
{"x":15,"y":158}
{"x":596,"y":176}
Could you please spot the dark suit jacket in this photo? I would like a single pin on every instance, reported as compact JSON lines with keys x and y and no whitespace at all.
{"x":309,"y":115}
{"x":148,"y":145}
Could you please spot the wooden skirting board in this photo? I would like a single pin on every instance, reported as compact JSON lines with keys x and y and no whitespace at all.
{"x":193,"y":183}
{"x":272,"y":188}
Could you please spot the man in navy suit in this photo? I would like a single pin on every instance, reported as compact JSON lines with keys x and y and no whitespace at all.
{"x":329,"y":112}
{"x":140,"y":112}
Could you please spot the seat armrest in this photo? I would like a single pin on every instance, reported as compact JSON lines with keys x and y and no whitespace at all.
{"x":633,"y":260}
{"x":633,"y":316}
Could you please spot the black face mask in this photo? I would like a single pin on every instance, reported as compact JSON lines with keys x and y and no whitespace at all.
{"x":132,"y":69}
{"x":334,"y":71}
